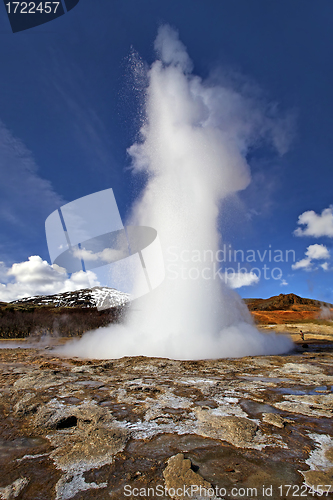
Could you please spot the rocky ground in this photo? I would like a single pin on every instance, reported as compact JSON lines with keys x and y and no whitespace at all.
{"x":312,"y":331}
{"x":153,"y":428}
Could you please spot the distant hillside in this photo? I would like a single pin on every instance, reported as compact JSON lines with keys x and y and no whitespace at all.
{"x":289,"y":308}
{"x":87,"y":298}
{"x":64,"y":314}
{"x":288,"y":302}
{"x":73,"y":313}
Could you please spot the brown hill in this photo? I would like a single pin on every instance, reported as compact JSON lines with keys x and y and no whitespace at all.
{"x":289,"y":302}
{"x":290,"y":308}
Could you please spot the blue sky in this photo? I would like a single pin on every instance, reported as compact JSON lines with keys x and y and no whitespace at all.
{"x":68,"y":113}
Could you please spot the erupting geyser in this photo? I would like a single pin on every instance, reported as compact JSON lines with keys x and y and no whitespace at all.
{"x":193,"y":146}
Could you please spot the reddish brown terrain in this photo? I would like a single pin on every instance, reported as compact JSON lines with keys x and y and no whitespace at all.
{"x":290,"y":308}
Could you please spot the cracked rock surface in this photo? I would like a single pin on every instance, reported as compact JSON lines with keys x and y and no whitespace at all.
{"x":89,"y":429}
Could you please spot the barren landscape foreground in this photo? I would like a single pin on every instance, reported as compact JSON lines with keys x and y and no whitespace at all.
{"x":254,"y":427}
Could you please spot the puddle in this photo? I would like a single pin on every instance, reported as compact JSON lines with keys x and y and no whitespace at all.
{"x":14,"y":345}
{"x":71,"y":400}
{"x":254,"y":408}
{"x":301,"y":391}
{"x":7,"y":448}
{"x":274,"y":380}
{"x":219,"y":463}
{"x":225,"y":466}
{"x":172,"y":411}
{"x":323,"y":389}
{"x":91,"y":383}
{"x":106,"y":403}
{"x":313,"y":348}
{"x":210,"y":404}
{"x":120,"y":411}
{"x":166,"y":445}
{"x":289,"y":390}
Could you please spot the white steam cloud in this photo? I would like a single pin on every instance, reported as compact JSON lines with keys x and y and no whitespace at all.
{"x":193,"y":147}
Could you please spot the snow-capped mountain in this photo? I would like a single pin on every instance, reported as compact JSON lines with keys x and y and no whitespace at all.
{"x":100,"y":297}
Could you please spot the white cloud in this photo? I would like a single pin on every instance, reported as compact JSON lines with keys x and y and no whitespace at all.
{"x":284,"y":283}
{"x":303,"y":264}
{"x":237,"y":280}
{"x":107,"y":255}
{"x":313,"y":252}
{"x":319,"y":252}
{"x":37,"y":277}
{"x":316,"y":225}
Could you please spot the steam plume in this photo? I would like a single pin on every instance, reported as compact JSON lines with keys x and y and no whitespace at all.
{"x":193,"y":146}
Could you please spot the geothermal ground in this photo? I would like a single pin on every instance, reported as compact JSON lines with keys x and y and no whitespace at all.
{"x":96,"y":430}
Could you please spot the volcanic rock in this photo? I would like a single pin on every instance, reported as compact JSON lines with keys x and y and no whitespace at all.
{"x":274,"y":419}
{"x":13,"y":490}
{"x":238,"y":431}
{"x":179,"y":476}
